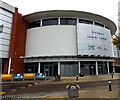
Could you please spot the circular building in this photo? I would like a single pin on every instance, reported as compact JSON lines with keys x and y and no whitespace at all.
{"x":69,"y":42}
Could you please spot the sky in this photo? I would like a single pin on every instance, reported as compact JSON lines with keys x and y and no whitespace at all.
{"x":106,"y":8}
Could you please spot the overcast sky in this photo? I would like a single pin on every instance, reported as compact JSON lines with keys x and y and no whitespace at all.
{"x":106,"y":8}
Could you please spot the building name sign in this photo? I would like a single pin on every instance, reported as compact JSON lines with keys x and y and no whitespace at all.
{"x":100,"y":35}
{"x":94,"y":40}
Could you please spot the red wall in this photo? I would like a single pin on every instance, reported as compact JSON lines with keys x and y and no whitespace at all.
{"x":117,"y":69}
{"x":17,"y":44}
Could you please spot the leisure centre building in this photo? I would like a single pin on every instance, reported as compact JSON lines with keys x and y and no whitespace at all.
{"x":62,"y":42}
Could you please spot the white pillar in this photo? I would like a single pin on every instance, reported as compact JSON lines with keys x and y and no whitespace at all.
{"x":108,"y":67}
{"x":58,"y":67}
{"x":96,"y":68}
{"x":79,"y":67}
{"x":9,"y":66}
{"x":39,"y":67}
{"x":58,"y":21}
{"x":113,"y":68}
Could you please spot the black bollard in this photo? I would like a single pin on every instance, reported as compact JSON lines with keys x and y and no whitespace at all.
{"x":109,"y":83}
{"x":112,"y":74}
{"x":77,"y":77}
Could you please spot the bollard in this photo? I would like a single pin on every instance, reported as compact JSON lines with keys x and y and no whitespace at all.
{"x":77,"y":77}
{"x":112,"y":74}
{"x":109,"y":83}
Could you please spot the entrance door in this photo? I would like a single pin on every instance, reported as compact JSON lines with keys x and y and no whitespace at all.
{"x":31,"y":68}
{"x":85,"y":69}
{"x":51,"y":68}
{"x":92,"y":69}
{"x":48,"y":69}
{"x":100,"y":69}
{"x":67,"y":70}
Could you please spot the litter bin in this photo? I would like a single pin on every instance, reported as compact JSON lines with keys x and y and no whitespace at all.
{"x":81,"y":74}
{"x":57,"y":78}
{"x":73,"y":93}
{"x":73,"y":90}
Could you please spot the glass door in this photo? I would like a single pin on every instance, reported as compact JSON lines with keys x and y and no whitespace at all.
{"x":92,"y":69}
{"x":46,"y":70}
{"x":100,"y":69}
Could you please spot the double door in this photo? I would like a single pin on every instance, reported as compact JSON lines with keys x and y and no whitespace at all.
{"x":49,"y":70}
{"x":69,"y":69}
{"x":89,"y":69}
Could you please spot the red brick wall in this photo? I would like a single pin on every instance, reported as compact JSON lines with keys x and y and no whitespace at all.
{"x":17,"y":43}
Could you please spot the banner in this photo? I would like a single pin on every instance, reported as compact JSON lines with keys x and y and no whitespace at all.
{"x":29,"y":75}
{"x":40,"y":75}
{"x":6,"y":76}
{"x":94,"y":40}
{"x":18,"y":76}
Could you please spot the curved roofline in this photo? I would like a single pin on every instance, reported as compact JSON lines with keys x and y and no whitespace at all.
{"x":72,"y":14}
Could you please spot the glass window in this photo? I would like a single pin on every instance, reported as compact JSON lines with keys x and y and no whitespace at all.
{"x":68,"y":21}
{"x":98,"y":24}
{"x":34,"y":24}
{"x":85,"y":21}
{"x":53,"y":21}
{"x":106,"y":27}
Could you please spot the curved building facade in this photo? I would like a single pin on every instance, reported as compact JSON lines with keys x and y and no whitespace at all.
{"x":69,"y":42}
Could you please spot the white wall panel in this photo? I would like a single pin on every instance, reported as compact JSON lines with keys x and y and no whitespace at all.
{"x":6,"y":36}
{"x":4,"y":12}
{"x":4,"y":48}
{"x":4,"y":41}
{"x":5,"y":24}
{"x":51,"y":40}
{"x":3,"y":54}
{"x":7,"y":30}
{"x":7,"y":6}
{"x":5,"y":18}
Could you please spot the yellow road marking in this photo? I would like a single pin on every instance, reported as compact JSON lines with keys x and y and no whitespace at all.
{"x":22,"y":87}
{"x":29,"y":84}
{"x":13,"y":90}
{"x":36,"y":83}
{"x":2,"y":93}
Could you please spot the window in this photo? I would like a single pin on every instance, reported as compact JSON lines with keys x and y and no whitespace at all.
{"x":106,"y":27}
{"x":34,"y":24}
{"x":98,"y":24}
{"x":53,"y":21}
{"x":1,"y":28}
{"x":85,"y":21}
{"x":68,"y":21}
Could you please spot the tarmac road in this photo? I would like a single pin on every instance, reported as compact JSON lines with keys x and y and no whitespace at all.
{"x":49,"y":88}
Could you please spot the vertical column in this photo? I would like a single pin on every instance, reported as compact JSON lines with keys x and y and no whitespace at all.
{"x":96,"y":68}
{"x":108,"y":67}
{"x":79,"y":67}
{"x":9,"y":66}
{"x":39,"y":67}
{"x":77,"y":20}
{"x":58,"y":67}
{"x":113,"y":68}
{"x":58,"y":21}
{"x":41,"y":22}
